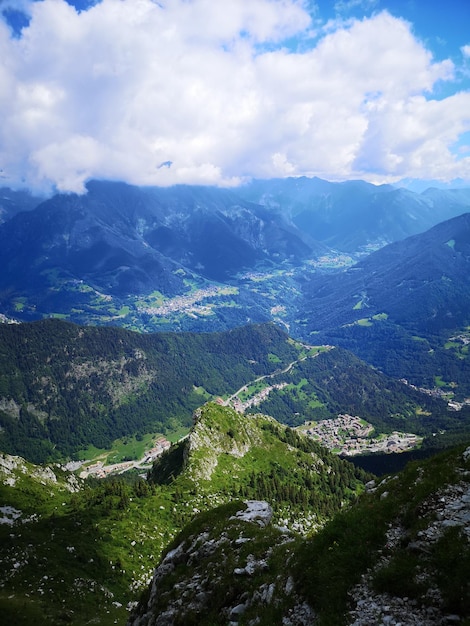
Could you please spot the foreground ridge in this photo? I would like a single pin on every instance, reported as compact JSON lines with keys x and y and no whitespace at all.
{"x":401,"y":556}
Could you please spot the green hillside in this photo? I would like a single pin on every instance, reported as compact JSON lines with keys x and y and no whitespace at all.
{"x":65,"y":387}
{"x":400,"y":555}
{"x":337,"y":382}
{"x":79,"y":553}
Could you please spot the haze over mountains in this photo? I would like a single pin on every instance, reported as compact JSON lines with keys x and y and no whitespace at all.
{"x":420,"y":282}
{"x":88,"y":256}
{"x":347,"y":216}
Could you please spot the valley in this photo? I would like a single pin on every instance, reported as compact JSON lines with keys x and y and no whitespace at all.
{"x":99,"y":467}
{"x":203,"y":306}
{"x":180,"y":355}
{"x":344,"y":435}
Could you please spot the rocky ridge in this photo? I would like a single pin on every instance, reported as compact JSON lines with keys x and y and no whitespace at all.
{"x":234,"y":566}
{"x":13,"y":467}
{"x":230,"y":571}
{"x":445,"y":509}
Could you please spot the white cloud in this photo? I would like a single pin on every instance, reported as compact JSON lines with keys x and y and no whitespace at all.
{"x":466,"y":51}
{"x":115,"y":91}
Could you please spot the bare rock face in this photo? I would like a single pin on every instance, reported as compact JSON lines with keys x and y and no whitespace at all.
{"x":233,"y":566}
{"x":207,"y":441}
{"x":227,"y":573}
{"x":256,"y":511}
{"x":12,"y":468}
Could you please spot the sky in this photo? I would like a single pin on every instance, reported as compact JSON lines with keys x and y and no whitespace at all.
{"x":217,"y":92}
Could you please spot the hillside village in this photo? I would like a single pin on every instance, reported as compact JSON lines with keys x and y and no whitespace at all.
{"x":350,"y":435}
{"x":98,"y":469}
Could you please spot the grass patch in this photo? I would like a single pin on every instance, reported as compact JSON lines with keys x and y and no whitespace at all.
{"x":177,"y":434}
{"x":451,"y":557}
{"x":200,"y":391}
{"x":332,"y":561}
{"x":19,"y":305}
{"x":131,"y":448}
{"x":124,"y":449}
{"x":398,"y":577}
{"x":380,"y":316}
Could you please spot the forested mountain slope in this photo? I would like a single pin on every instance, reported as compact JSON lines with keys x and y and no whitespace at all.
{"x":421,"y":283}
{"x":404,"y":308}
{"x":119,"y":240}
{"x":64,"y":387}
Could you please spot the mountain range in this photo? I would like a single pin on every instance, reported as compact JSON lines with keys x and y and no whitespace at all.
{"x":421,"y":283}
{"x":124,"y":240}
{"x":403,"y":309}
{"x":117,"y":253}
{"x":351,"y":215}
{"x":246,"y":519}
{"x":64,"y":388}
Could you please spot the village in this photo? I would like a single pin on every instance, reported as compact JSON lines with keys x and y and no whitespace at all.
{"x":345,"y":435}
{"x":189,"y":303}
{"x":443,"y":394}
{"x":255,"y":400}
{"x":100,"y":470}
{"x":349,"y":435}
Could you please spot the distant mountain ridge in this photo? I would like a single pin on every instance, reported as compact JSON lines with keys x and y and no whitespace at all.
{"x":13,"y":202}
{"x":123,"y":255}
{"x":404,"y":308}
{"x":350,"y":215}
{"x":421,"y":281}
{"x":88,"y":257}
{"x":123,"y":239}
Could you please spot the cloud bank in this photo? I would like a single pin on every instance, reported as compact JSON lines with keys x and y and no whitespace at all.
{"x":210,"y":92}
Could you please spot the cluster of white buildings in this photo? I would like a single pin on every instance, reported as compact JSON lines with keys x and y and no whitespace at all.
{"x":350,"y":435}
{"x":188,"y":303}
{"x":100,"y":470}
{"x":255,"y":400}
{"x":161,"y":444}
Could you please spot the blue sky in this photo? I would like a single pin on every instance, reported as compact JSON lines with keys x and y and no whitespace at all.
{"x":220,"y":92}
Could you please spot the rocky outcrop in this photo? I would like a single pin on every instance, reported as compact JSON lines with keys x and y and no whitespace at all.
{"x":226,"y":575}
{"x":449,"y":507}
{"x":12,"y":468}
{"x":234,"y":567}
{"x":208,"y":440}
